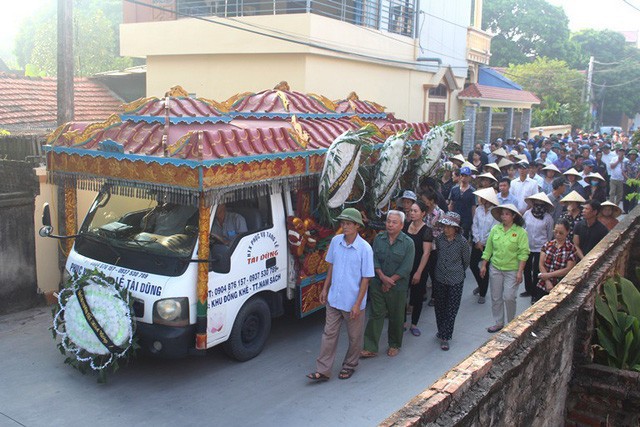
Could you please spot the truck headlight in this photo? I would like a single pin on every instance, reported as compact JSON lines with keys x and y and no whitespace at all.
{"x":171,"y":312}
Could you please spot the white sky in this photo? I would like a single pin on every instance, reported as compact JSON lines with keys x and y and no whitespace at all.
{"x":601,"y":14}
{"x":598,"y":14}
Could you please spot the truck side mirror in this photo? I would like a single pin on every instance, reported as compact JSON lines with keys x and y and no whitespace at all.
{"x":46,"y":229}
{"x":46,"y":215}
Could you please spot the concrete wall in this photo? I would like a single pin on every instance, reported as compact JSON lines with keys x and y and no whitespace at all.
{"x":522,"y":376}
{"x":48,"y":273}
{"x":18,"y":188}
{"x":226,"y":61}
{"x":444,"y":32}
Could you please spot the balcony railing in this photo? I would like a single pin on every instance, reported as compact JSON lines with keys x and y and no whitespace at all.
{"x":478,"y":46}
{"x":394,"y":16}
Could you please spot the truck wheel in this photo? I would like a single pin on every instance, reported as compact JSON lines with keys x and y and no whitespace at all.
{"x":250,"y":330}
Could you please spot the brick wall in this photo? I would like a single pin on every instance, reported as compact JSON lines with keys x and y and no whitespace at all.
{"x":523,"y":376}
{"x":600,"y":395}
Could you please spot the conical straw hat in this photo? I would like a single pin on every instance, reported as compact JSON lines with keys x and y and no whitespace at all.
{"x":488,"y":176}
{"x":552,"y":168}
{"x":504,"y":162}
{"x":573,"y":172}
{"x":574,"y":196}
{"x":489,"y":195}
{"x":496,"y":211}
{"x":493,"y":166}
{"x":500,"y":152}
{"x":541,"y":197}
{"x":470,"y":166}
{"x":616,"y":209}
{"x":595,"y":175}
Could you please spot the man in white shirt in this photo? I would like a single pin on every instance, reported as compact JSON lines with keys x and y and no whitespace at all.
{"x":523,"y":187}
{"x":608,"y":156}
{"x":616,"y":183}
{"x":534,"y":168}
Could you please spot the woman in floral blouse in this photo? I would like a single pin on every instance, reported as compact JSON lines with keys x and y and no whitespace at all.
{"x":557,"y":258}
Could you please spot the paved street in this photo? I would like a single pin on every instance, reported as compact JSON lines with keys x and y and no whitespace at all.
{"x":38,"y":389}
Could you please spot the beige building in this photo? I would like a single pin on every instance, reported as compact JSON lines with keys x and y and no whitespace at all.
{"x":413,"y":61}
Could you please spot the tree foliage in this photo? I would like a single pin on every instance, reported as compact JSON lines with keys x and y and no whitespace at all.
{"x":558,"y":87}
{"x":95,"y":39}
{"x":616,"y":72}
{"x":526,"y":29}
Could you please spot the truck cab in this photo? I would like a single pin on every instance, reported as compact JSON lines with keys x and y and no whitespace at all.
{"x":150,"y":247}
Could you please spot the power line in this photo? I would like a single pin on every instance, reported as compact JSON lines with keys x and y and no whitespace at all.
{"x":632,"y":5}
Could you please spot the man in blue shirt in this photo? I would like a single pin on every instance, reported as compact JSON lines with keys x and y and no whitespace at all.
{"x":350,"y":260}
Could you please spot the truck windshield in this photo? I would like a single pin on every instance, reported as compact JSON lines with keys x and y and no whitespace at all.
{"x":152,"y":236}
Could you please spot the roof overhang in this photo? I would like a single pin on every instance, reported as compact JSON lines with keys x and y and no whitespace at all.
{"x":445,"y":74}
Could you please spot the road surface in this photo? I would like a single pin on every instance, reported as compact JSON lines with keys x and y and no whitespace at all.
{"x":38,"y":389}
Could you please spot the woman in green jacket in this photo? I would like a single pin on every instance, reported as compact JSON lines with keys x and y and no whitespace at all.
{"x":507,"y":251}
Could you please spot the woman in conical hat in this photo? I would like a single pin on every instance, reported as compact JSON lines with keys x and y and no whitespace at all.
{"x":573,"y":176}
{"x":573,"y":202}
{"x":597,"y":187}
{"x":609,"y":214}
{"x":549,"y":172}
{"x":493,"y":169}
{"x":483,"y":222}
{"x":539,"y":226}
{"x":507,"y":251}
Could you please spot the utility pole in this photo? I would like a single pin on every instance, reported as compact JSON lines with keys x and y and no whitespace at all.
{"x":587,"y":94}
{"x":64,"y":98}
{"x":65,"y":61}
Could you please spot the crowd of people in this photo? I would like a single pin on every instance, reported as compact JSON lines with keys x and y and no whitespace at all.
{"x":513,"y":212}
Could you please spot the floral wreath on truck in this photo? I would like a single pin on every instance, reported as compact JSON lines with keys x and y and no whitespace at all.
{"x":94,"y":319}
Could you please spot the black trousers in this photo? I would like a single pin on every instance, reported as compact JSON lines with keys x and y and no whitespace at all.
{"x":531,"y":271}
{"x":476,"y":257}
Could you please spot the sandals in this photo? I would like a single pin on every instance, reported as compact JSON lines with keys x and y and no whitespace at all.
{"x":494,"y":328}
{"x":393,"y":352}
{"x":444,"y":345}
{"x":346,"y":373}
{"x":365,"y":354}
{"x":318,"y":377}
{"x":415,"y":331}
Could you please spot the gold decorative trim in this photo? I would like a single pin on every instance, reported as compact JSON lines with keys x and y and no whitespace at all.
{"x":137,"y":104}
{"x":177,"y":92}
{"x":377,"y":106}
{"x":282,"y":86}
{"x":235,"y":98}
{"x":377,"y":131}
{"x":283,"y":99}
{"x":176,"y":146}
{"x":55,"y":135}
{"x":301,"y":136}
{"x":215,"y":104}
{"x":324,"y":101}
{"x":78,"y":138}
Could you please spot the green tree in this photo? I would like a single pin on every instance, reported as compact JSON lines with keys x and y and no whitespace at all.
{"x":616,"y":72}
{"x":96,"y":39}
{"x":526,"y":29}
{"x":558,"y":87}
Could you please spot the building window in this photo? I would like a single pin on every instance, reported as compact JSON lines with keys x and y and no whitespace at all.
{"x":438,"y":92}
{"x":437,"y":112}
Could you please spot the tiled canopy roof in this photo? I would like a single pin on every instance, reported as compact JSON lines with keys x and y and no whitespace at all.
{"x":482,"y":92}
{"x":30,"y":103}
{"x":269,"y":122}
